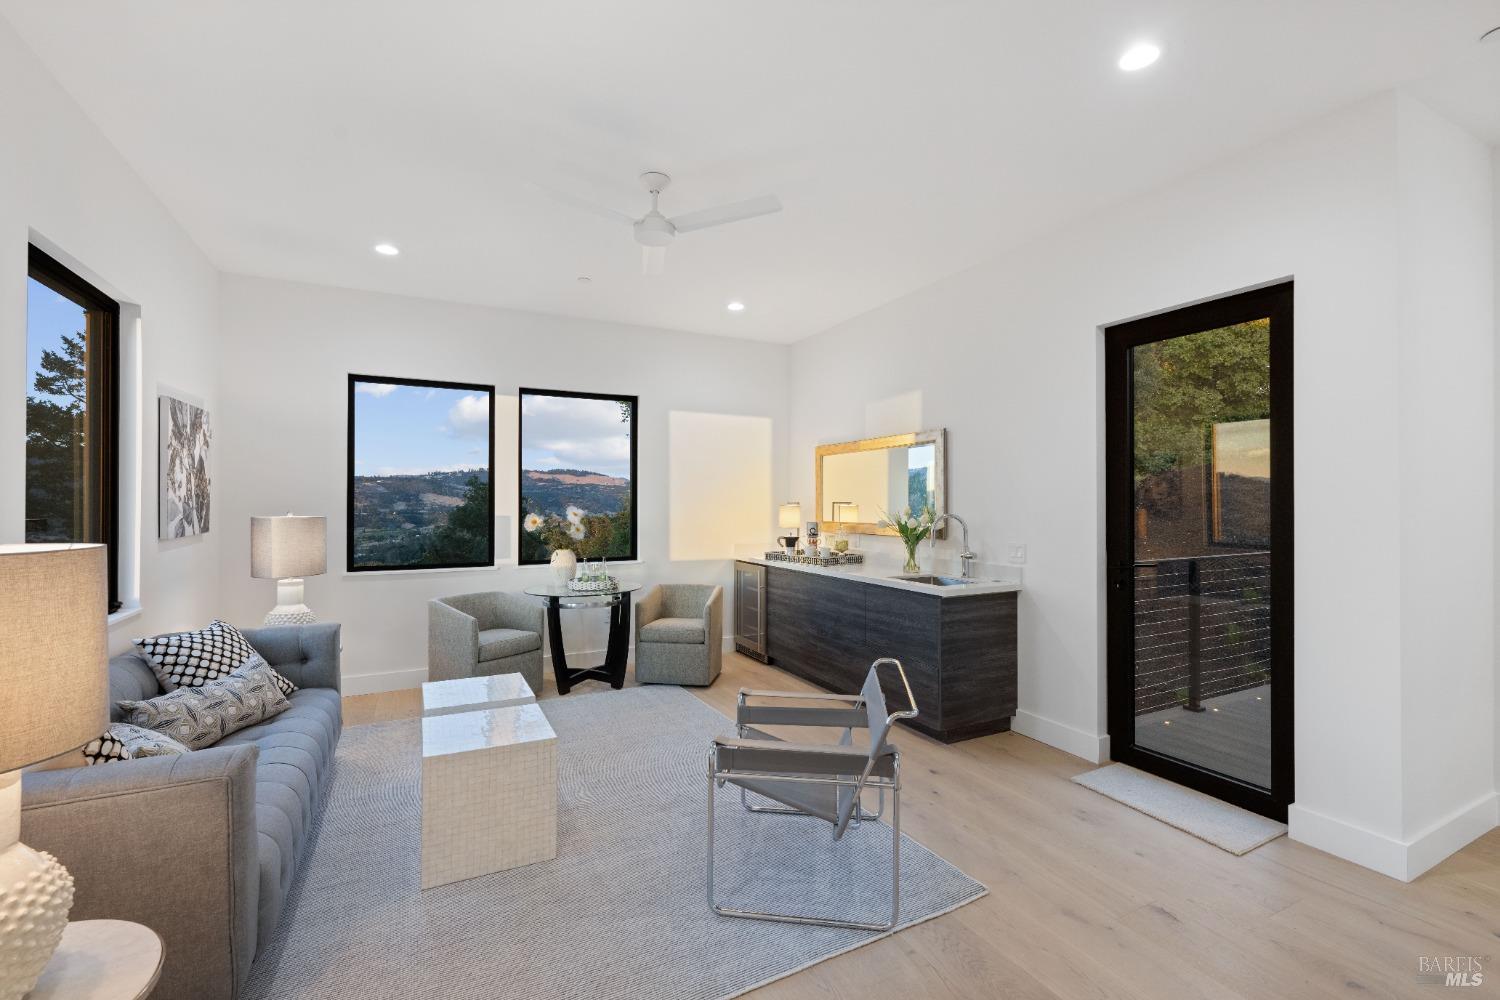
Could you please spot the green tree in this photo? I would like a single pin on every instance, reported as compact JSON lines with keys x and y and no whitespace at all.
{"x":1185,"y":385}
{"x":465,"y":536}
{"x":55,"y":439}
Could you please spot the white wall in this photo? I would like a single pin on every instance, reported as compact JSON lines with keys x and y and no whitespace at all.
{"x":288,"y":350}
{"x":65,"y":187}
{"x":1007,"y":356}
{"x":1446,"y":448}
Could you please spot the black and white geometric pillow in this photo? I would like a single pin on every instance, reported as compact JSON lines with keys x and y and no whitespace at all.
{"x":192,"y":659}
{"x":122,"y":741}
{"x":201,"y":716}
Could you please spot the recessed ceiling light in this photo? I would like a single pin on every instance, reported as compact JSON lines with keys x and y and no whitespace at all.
{"x":736,"y":307}
{"x":584,"y":279}
{"x":1139,"y":56}
{"x":387,"y":249}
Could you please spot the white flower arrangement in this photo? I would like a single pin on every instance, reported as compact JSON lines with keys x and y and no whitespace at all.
{"x":533,"y":523}
{"x":576,"y":530}
{"x":575,"y":516}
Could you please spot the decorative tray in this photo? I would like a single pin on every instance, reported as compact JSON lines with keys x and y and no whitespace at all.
{"x":822,"y":559}
{"x":605,"y":586}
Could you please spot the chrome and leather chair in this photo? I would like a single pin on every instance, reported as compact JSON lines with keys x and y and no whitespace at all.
{"x":825,"y":780}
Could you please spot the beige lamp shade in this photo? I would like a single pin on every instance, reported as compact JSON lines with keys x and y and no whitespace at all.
{"x":288,"y":546}
{"x":54,"y":674}
{"x":790,"y":516}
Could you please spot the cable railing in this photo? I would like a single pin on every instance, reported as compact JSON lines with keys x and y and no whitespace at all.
{"x":1203,"y":628}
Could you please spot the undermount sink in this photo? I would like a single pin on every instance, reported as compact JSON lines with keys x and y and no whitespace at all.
{"x":933,"y":581}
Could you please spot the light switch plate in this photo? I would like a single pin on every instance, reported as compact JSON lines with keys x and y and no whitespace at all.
{"x":1016,"y":553}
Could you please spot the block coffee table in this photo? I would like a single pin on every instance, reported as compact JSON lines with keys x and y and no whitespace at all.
{"x":489,"y":792}
{"x":471,"y":694}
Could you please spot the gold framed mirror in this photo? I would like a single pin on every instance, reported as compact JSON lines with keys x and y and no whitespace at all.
{"x":859,"y":482}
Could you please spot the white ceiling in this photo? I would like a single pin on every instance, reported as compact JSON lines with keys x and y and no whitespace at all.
{"x":908,"y":140}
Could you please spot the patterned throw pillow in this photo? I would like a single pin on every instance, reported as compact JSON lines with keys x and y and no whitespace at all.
{"x":201,"y":716}
{"x":192,"y":659}
{"x":122,"y":741}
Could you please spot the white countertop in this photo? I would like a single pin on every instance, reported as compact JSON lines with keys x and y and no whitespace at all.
{"x":884,"y":575}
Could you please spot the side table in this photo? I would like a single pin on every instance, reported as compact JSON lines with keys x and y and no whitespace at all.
{"x":102,"y":960}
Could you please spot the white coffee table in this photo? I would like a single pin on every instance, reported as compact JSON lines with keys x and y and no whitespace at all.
{"x":489,"y":792}
{"x":471,"y":694}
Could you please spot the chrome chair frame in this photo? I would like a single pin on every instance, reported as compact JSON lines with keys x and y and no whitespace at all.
{"x":841,"y":759}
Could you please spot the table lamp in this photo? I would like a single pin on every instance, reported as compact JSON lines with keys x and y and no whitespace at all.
{"x":54,"y":698}
{"x":286,"y":549}
{"x":846,"y":513}
{"x":790,"y":520}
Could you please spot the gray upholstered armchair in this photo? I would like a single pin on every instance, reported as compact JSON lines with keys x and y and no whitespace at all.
{"x":679,"y":634}
{"x":475,"y":635}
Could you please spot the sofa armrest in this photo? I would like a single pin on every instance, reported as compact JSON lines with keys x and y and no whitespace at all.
{"x":169,"y":842}
{"x":307,"y":654}
{"x":647,"y":610}
{"x":452,"y":642}
{"x":520,"y":612}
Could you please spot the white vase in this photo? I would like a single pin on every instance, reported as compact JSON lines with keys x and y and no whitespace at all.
{"x":564,"y":565}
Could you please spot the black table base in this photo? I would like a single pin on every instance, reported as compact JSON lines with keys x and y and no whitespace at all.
{"x":612,"y":670}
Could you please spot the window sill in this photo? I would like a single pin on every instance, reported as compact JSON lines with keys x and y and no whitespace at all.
{"x":471,"y":569}
{"x":131,"y":609}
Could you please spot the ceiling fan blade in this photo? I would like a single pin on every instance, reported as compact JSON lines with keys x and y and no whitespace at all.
{"x":573,"y":201}
{"x":764,"y":205}
{"x":653,"y":260}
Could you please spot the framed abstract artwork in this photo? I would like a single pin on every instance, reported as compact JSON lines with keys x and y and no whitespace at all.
{"x":185,"y":488}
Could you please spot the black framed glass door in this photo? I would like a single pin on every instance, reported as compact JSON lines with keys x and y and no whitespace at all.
{"x":1198,"y":496}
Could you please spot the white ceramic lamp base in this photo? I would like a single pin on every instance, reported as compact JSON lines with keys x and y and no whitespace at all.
{"x":36,"y":894}
{"x":289,"y":609}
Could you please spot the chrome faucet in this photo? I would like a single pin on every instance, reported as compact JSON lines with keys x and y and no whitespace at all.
{"x":966,"y":557}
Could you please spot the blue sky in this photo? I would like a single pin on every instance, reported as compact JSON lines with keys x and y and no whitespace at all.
{"x":409,"y":430}
{"x":564,"y":432}
{"x":49,"y":317}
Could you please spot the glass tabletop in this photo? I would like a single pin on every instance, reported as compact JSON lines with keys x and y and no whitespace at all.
{"x":561,"y":590}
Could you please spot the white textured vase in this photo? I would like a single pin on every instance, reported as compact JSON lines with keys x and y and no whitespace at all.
{"x":36,"y":894}
{"x":564,"y":565}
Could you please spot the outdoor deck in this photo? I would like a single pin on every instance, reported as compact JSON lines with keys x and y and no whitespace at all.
{"x":1232,"y":735}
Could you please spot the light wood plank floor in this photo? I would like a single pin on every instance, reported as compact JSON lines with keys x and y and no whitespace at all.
{"x":1092,"y":899}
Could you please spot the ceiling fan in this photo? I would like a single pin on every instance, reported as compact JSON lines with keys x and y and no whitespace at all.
{"x":655,"y":232}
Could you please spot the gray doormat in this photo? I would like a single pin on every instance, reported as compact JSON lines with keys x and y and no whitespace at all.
{"x":1225,"y":826}
{"x":620,"y":913}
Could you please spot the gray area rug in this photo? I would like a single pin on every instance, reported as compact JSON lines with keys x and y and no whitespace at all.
{"x":620,"y":913}
{"x":1228,"y":827}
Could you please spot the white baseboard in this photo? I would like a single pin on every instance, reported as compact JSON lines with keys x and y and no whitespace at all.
{"x":390,"y":680}
{"x":1404,"y":860}
{"x":1092,"y":747}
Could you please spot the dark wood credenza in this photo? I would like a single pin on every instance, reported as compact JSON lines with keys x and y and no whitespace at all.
{"x":959,"y":651}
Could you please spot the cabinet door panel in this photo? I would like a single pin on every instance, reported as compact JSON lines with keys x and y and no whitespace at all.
{"x":904,"y":625}
{"x":815,"y":627}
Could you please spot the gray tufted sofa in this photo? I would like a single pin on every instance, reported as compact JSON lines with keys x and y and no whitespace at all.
{"x":200,"y":847}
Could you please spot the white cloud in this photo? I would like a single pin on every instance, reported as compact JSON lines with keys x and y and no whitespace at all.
{"x":568,"y":432}
{"x":376,"y":389}
{"x":470,"y":416}
{"x":590,"y":453}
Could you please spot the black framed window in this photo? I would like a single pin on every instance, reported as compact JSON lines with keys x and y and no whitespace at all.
{"x":577,"y":475}
{"x":72,"y":411}
{"x":421,"y":464}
